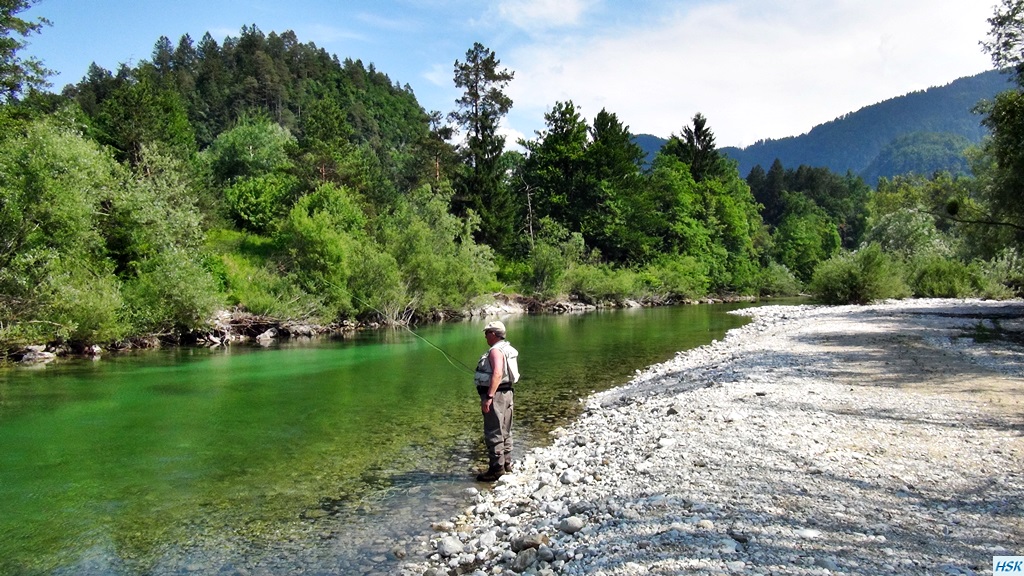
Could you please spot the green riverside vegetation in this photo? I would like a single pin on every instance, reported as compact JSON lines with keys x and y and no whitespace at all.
{"x":265,"y":175}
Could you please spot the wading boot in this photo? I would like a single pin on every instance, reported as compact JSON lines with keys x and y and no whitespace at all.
{"x":491,"y":475}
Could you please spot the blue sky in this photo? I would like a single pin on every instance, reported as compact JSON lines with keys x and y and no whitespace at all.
{"x":755,"y":68}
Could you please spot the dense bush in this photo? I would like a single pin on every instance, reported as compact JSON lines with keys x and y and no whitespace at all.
{"x":94,"y":251}
{"x":712,"y":221}
{"x":547,"y":266}
{"x":257,"y":203}
{"x":255,"y":146}
{"x":933,"y":276}
{"x":777,"y":280}
{"x":1004,"y":274}
{"x":80,"y":304}
{"x":172,"y":294}
{"x":376,"y":284}
{"x":905,"y":233}
{"x":555,"y":252}
{"x":595,"y":284}
{"x":670,"y":278}
{"x":804,"y":239}
{"x":859,"y":277}
{"x":511,"y":274}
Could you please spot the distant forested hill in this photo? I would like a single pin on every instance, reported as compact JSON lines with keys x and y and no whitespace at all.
{"x":919,"y":132}
{"x":650,"y":145}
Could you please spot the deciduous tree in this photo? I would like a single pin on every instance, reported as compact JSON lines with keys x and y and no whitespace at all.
{"x":1006,"y":37}
{"x":1005,"y":119}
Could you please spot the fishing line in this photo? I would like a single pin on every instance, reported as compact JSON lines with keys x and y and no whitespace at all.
{"x":453,"y":361}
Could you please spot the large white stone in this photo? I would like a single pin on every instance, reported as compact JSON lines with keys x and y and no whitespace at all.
{"x":450,"y":546}
{"x":571,"y":525}
{"x":570,"y":476}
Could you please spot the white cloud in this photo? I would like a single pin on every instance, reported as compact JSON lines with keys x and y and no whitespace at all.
{"x":323,"y":34}
{"x":387,"y":22}
{"x":512,"y":136}
{"x":538,"y":15}
{"x":438,"y":75}
{"x":756,"y":69}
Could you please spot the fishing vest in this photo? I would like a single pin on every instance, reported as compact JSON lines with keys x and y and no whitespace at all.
{"x":509,"y":376}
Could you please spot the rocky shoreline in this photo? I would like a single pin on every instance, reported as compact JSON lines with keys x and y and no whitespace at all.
{"x":883,"y":439}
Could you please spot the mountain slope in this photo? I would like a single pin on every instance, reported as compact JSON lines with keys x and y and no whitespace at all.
{"x":650,"y":145}
{"x":855,"y":141}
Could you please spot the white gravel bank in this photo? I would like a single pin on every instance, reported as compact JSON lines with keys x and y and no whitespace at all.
{"x":867,"y":440}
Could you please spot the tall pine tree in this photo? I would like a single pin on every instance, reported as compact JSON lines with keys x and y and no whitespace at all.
{"x":696,"y":148}
{"x":16,"y":73}
{"x":480,"y":186}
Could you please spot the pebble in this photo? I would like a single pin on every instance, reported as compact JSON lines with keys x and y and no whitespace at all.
{"x":570,"y":477}
{"x":769,"y":452}
{"x":524,"y":559}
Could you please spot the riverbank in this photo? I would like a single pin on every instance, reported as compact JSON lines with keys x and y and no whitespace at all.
{"x":815,"y":440}
{"x":229,"y":327}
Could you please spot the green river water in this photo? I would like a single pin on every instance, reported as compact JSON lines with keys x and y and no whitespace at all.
{"x":311,"y":456}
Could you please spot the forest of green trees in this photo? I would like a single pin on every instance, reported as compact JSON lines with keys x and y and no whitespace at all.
{"x":264,"y":174}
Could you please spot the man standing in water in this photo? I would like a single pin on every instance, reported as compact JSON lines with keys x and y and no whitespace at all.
{"x":496,"y":372}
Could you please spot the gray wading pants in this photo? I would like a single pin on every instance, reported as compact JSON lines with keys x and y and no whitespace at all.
{"x":498,"y":428}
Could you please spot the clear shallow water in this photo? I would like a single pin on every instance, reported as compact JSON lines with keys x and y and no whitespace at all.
{"x":317,"y":456}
